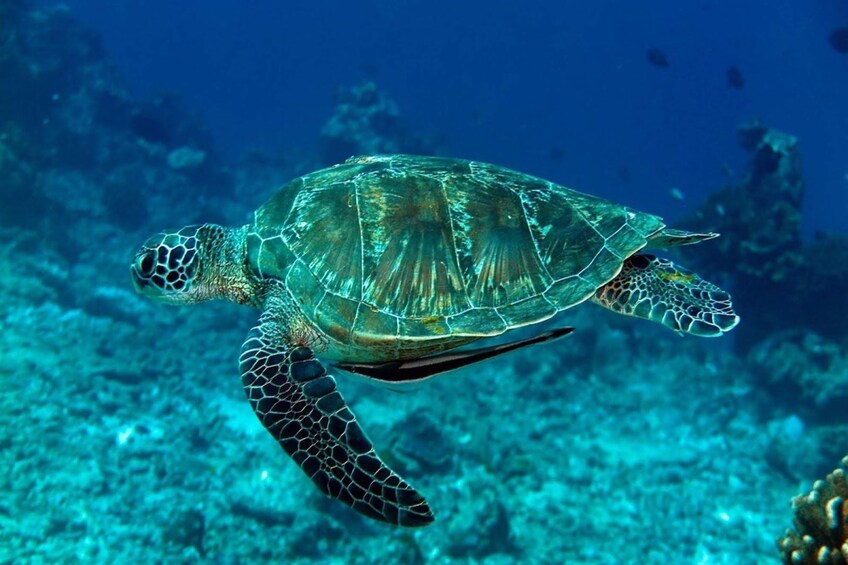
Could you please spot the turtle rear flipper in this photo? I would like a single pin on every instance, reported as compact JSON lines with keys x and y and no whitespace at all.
{"x":297,"y":402}
{"x":658,"y":290}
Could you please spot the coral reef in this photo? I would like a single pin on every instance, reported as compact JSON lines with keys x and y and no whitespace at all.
{"x":776,"y":275}
{"x":822,"y":276}
{"x":19,"y":177}
{"x":760,"y":219}
{"x":820,"y":536}
{"x":126,"y":437}
{"x":70,"y":116}
{"x":63,"y":84}
{"x":804,"y":370}
{"x":366,"y":121}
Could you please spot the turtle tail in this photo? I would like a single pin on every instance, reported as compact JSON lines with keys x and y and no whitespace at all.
{"x":658,"y":290}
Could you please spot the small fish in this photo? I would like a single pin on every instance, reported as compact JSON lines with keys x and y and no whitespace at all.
{"x":839,"y":39}
{"x":657,"y":58}
{"x":734,"y":77}
{"x":719,"y":209}
{"x":624,"y":174}
{"x":676,"y":193}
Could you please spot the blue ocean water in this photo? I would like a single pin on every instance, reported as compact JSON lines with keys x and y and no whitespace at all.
{"x":510,"y":84}
{"x":126,"y":436}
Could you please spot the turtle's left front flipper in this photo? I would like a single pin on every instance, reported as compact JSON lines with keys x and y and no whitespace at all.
{"x":297,"y":402}
{"x":658,"y":290}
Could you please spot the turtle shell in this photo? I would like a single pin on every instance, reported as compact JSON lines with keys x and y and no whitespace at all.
{"x":413,"y":248}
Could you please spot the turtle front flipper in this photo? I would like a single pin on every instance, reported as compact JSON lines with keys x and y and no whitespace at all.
{"x":658,"y":290}
{"x":297,"y":402}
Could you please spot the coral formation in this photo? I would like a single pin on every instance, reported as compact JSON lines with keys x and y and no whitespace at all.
{"x":366,"y":121}
{"x":19,"y":177}
{"x":70,"y":111}
{"x":804,"y":370}
{"x":820,"y":536}
{"x":186,"y":158}
{"x":760,"y":219}
{"x":822,"y":276}
{"x":776,"y":275}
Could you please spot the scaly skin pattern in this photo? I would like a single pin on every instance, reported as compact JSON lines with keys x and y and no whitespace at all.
{"x":195,"y":264}
{"x":297,"y":402}
{"x":658,"y":290}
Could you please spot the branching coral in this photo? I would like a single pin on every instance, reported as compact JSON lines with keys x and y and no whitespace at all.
{"x":821,"y":521}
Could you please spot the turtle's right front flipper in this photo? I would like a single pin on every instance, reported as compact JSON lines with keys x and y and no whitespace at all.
{"x":297,"y":402}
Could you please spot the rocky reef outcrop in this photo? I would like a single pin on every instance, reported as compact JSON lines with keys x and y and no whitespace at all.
{"x":77,"y":146}
{"x":367,"y":121}
{"x":780,"y":282}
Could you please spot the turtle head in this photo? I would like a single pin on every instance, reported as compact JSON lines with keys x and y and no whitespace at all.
{"x":169,"y":266}
{"x":194,"y":264}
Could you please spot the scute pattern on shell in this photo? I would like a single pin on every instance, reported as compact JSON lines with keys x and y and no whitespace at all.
{"x":412,"y":246}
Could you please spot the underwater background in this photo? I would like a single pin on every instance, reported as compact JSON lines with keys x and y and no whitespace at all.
{"x":125,"y":433}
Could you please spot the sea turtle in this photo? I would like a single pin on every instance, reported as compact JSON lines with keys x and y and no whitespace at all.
{"x":383,"y":263}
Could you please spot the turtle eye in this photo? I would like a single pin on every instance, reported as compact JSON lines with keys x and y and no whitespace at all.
{"x":145,"y":264}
